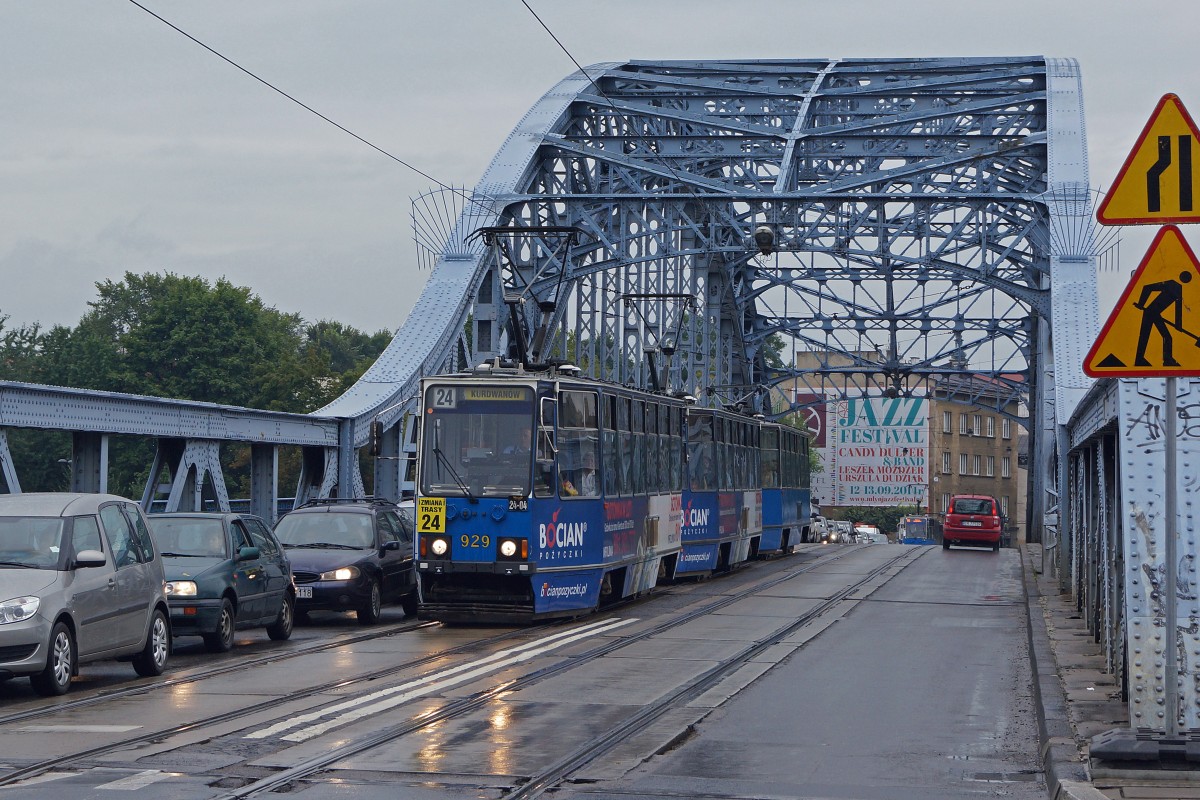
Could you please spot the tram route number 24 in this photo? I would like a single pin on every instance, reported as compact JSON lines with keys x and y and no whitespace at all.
{"x":431,"y":515}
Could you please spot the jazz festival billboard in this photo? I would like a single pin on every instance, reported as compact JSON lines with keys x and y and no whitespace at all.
{"x":877,"y":451}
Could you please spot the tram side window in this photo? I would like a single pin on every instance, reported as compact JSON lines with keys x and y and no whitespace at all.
{"x":769,"y":464}
{"x":675,"y":416}
{"x":625,"y":406}
{"x":793,"y":462}
{"x":742,"y":461}
{"x":611,"y":449}
{"x":578,"y":444}
{"x":639,"y":447}
{"x":725,"y":454}
{"x":702,"y":467}
{"x":802,"y":456}
{"x":657,"y":456}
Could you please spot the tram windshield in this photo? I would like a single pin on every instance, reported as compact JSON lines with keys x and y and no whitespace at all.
{"x":477,"y":441}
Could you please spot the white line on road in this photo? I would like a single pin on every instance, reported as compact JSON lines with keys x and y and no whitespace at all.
{"x":138,"y":781}
{"x":384,"y":699}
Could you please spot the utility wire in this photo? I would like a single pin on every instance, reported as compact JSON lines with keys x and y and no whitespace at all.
{"x":628,"y":119}
{"x":303,"y":105}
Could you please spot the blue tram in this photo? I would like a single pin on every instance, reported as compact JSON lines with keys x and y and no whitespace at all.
{"x":543,"y":494}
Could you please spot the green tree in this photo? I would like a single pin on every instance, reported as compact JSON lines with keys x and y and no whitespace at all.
{"x":182,"y":337}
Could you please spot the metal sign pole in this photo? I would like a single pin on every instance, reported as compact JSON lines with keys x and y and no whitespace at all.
{"x":1169,"y":593}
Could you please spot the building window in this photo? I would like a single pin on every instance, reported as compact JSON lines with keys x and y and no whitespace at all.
{"x":991,"y":466}
{"x":1006,"y":467}
{"x":975,"y":424}
{"x":946,"y":462}
{"x":964,"y":423}
{"x":1006,"y":428}
{"x":947,"y":422}
{"x":1004,"y":505}
{"x":990,"y":422}
{"x":945,"y":500}
{"x":962,"y":463}
{"x":976,"y":463}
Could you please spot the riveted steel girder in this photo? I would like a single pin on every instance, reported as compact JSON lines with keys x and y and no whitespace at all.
{"x":928,"y":218}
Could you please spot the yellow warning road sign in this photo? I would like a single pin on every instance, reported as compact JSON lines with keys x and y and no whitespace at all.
{"x":1154,"y":329}
{"x":1160,"y":179}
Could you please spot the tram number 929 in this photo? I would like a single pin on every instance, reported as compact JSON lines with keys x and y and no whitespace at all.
{"x":475,"y":540}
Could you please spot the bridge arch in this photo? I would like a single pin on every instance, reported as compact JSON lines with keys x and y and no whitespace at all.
{"x":928,"y":218}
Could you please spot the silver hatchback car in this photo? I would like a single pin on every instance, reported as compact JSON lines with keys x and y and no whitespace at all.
{"x":80,"y":580}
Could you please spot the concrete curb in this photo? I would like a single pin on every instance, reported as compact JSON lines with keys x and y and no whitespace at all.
{"x":1062,"y":761}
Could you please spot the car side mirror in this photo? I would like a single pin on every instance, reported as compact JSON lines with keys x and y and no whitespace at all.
{"x":90,"y":558}
{"x":247,"y":553}
{"x":390,"y":544}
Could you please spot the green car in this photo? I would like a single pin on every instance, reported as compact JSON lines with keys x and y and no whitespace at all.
{"x":225,"y":572}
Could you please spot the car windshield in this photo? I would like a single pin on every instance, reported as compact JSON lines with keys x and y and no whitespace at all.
{"x":190,"y":537}
{"x":30,"y":542}
{"x":326,"y":528}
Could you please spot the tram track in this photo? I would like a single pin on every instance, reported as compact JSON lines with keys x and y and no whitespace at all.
{"x":598,"y":746}
{"x":204,"y":673}
{"x":449,"y":711}
{"x":41,"y":767}
{"x":550,"y":777}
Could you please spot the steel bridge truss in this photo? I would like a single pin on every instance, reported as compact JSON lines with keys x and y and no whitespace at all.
{"x":836,"y":227}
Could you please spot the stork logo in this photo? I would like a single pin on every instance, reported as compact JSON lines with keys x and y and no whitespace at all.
{"x":561,"y":534}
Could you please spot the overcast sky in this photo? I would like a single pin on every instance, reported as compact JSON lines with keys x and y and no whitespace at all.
{"x":126,"y":147}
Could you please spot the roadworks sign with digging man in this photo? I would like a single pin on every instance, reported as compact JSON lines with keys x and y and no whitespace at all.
{"x":1154,"y":329}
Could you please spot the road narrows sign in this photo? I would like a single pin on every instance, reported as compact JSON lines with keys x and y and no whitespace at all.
{"x":1160,"y":179}
{"x":1154,"y":329}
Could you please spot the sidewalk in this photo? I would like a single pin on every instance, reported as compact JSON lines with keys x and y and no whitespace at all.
{"x":1078,"y":700}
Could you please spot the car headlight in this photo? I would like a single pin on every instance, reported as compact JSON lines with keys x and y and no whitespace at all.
{"x":181,"y":588}
{"x":18,"y":609}
{"x":340,"y":574}
{"x":439,"y":547}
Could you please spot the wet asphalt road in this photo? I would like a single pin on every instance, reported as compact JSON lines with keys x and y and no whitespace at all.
{"x":916,"y":686}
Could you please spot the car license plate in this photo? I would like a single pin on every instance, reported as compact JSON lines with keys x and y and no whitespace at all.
{"x":970,"y":523}
{"x":304,"y":593}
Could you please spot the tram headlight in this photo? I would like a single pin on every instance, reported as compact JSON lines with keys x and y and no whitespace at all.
{"x":439,"y":547}
{"x":517,"y":549}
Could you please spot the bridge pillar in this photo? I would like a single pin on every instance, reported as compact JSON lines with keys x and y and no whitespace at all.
{"x":264,"y":481}
{"x":318,"y":474}
{"x":388,"y":463}
{"x":8,"y":472}
{"x":196,"y":477}
{"x":89,"y":462}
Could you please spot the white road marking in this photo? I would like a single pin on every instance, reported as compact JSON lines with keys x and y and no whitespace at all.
{"x":45,"y":777}
{"x":376,"y":702}
{"x":138,"y":781}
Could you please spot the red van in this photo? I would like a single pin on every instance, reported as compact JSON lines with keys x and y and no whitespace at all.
{"x":972,"y":519}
